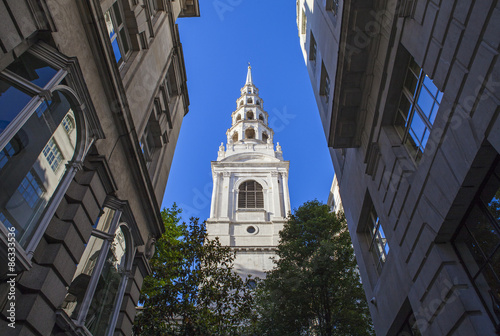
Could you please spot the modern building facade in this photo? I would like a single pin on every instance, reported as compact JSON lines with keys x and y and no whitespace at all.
{"x":92,"y":98}
{"x":409,"y":99}
{"x":250,"y":199}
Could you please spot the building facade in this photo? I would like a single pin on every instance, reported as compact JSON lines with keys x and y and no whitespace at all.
{"x":92,"y":98}
{"x":408,"y":96}
{"x":250,"y":199}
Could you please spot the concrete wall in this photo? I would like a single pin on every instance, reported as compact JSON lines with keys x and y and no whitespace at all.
{"x":422,"y":204}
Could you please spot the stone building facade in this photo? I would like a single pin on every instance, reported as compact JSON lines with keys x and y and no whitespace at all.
{"x":250,"y":198}
{"x":92,"y":98}
{"x":408,"y":93}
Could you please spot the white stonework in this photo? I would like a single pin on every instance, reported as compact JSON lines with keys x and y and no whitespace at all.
{"x":251,"y":230}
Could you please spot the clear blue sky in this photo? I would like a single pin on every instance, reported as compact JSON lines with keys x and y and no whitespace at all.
{"x":217,"y":47}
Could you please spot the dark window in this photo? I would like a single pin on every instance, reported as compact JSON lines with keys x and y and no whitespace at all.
{"x":324,"y":87}
{"x":250,"y":195}
{"x":418,"y":106}
{"x":478,"y":243}
{"x":377,"y":241}
{"x":312,"y":49}
{"x":333,"y":6}
{"x":410,"y":327}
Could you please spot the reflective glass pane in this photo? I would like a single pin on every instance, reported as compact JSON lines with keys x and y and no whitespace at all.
{"x":433,"y":115}
{"x":411,"y":82}
{"x":418,"y":127}
{"x":104,"y":299}
{"x":118,"y":16}
{"x":430,"y":86}
{"x":12,"y":101}
{"x":116,"y":50}
{"x":105,"y":220}
{"x":76,"y":291}
{"x":425,"y":101}
{"x":33,"y":69}
{"x":35,"y":167}
{"x":109,"y":24}
{"x":123,"y":39}
{"x":469,"y":251}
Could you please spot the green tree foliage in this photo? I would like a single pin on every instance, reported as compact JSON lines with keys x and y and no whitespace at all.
{"x":315,"y":288}
{"x":192,"y":289}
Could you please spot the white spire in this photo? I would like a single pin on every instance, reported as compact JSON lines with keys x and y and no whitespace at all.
{"x":249,"y":74}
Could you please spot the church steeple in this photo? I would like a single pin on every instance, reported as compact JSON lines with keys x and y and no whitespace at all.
{"x":249,"y":124}
{"x":250,"y":199}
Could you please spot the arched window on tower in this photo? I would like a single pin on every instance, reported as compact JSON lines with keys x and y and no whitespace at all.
{"x":238,"y":117}
{"x":265,"y":137}
{"x":250,"y":115}
{"x":257,"y":102}
{"x":241,"y":102}
{"x":235,"y":136}
{"x":250,"y":195}
{"x":261,"y":117}
{"x":250,"y":133}
{"x":249,"y":101}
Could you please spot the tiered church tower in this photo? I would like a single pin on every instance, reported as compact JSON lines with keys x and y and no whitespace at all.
{"x":250,"y":199}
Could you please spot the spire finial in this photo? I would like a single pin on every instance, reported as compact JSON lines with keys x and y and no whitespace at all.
{"x":249,"y":75}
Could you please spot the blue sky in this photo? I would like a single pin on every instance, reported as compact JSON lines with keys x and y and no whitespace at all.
{"x":217,"y":48}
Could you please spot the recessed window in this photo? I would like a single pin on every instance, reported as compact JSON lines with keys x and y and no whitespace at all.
{"x":96,"y":290}
{"x":235,"y":136}
{"x":249,"y":101}
{"x":250,"y":133}
{"x":33,"y":161}
{"x":238,"y":117}
{"x":117,"y":32}
{"x":333,"y":6}
{"x":250,"y":115}
{"x":251,"y":229}
{"x":477,"y":243}
{"x":377,"y":241}
{"x":250,"y":195}
{"x":265,"y":137}
{"x":324,"y":86}
{"x":312,"y":49}
{"x":261,"y":117}
{"x":417,"y":110}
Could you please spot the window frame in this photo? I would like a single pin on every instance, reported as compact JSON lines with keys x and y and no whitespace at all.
{"x":118,"y":28}
{"x":325,"y":84}
{"x":479,"y":203}
{"x":374,"y":232}
{"x":107,"y":238}
{"x":244,"y":193}
{"x":416,"y":147}
{"x":66,"y":77}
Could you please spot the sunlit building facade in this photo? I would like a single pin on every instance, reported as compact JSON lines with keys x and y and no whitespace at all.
{"x":250,"y":198}
{"x":92,"y":98}
{"x":408,"y":95}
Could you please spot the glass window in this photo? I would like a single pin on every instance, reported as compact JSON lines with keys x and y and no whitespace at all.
{"x":97,"y":286}
{"x":324,"y":87}
{"x":378,"y":246}
{"x":68,"y":124}
{"x":12,"y":102}
{"x":33,"y":69}
{"x":312,"y":49}
{"x":410,"y":327}
{"x":32,"y":164}
{"x":478,"y":244}
{"x":418,"y":106}
{"x":117,"y":32}
{"x":333,"y":6}
{"x":53,"y":154}
{"x":250,"y":195}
